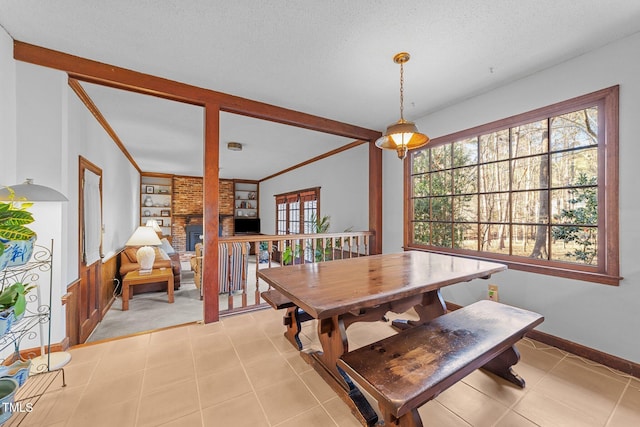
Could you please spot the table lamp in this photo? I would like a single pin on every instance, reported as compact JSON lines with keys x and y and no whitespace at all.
{"x":144,"y":236}
{"x":156,"y":227}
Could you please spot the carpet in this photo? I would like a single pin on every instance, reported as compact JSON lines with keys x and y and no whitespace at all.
{"x":149,"y":311}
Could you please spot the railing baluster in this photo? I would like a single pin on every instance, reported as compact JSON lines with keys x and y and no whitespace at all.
{"x":304,"y":248}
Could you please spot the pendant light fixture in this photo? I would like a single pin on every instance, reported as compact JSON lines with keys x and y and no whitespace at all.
{"x":402,"y":135}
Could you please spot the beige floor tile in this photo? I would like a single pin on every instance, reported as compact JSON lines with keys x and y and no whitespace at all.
{"x":535,"y":364}
{"x":297,"y":362}
{"x":169,"y":352}
{"x":513,"y":419}
{"x":79,"y":373}
{"x":627,"y":413}
{"x":244,"y":373}
{"x":268,"y":371}
{"x":172,"y":372}
{"x":242,"y":321}
{"x":285,"y":400}
{"x":243,"y":411}
{"x":340,"y":413}
{"x":256,"y":350}
{"x":222,"y":386}
{"x":119,"y":364}
{"x":319,"y":387}
{"x":282,"y":344}
{"x":316,"y":417}
{"x":471,"y":405}
{"x":583,"y":389}
{"x":200,"y":329}
{"x":87,"y":353}
{"x":216,"y":361}
{"x":247,"y":334}
{"x":495,"y":387}
{"x":120,"y":414}
{"x":596,"y":367}
{"x":138,"y":342}
{"x":433,"y":413}
{"x":168,"y":403}
{"x":113,"y":390}
{"x":545,"y":411}
{"x":55,"y":406}
{"x":205,"y":344}
{"x":164,"y":336}
{"x":194,"y":419}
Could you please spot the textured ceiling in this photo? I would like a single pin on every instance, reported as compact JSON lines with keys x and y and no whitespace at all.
{"x":329,"y":58}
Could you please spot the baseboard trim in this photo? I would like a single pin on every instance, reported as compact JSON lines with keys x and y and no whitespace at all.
{"x":614,"y":362}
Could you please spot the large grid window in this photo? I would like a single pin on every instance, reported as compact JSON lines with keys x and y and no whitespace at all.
{"x":295,"y":212}
{"x":537,"y":191}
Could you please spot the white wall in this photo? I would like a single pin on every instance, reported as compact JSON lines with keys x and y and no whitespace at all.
{"x":598,"y":316}
{"x":7,"y":110}
{"x":43,"y":129}
{"x":344,"y":193}
{"x":120,"y":180}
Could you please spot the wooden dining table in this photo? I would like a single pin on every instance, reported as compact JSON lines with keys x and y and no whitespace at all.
{"x":342,"y":292}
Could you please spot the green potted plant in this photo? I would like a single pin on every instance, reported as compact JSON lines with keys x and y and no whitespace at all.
{"x":16,"y":240}
{"x":13,"y":303}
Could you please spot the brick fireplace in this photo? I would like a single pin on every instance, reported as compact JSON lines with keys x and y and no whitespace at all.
{"x":187,"y":209}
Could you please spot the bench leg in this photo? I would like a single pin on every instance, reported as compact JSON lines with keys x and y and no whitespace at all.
{"x":502,"y":363}
{"x":410,"y":419}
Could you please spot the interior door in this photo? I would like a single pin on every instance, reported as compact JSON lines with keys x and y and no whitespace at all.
{"x":90,"y":247}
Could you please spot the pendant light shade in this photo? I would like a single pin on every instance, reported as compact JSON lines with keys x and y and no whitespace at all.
{"x":402,"y":135}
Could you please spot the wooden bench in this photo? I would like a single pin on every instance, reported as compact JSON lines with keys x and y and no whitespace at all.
{"x":405,"y":371}
{"x":292,"y":319}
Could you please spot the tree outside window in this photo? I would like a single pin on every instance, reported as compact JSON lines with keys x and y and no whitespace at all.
{"x":535,"y":190}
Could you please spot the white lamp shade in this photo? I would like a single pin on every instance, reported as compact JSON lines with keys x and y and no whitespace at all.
{"x":30,"y":192}
{"x":154,"y":224}
{"x":143,"y":236}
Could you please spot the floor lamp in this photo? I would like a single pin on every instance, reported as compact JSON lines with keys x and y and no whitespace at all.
{"x":30,"y":192}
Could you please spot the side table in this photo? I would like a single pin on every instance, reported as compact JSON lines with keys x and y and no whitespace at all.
{"x":135,"y":278}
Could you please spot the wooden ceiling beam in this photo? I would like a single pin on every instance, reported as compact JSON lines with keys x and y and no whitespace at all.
{"x":96,"y":72}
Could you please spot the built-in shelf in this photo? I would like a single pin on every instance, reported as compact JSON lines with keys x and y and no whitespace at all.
{"x":156,"y":201}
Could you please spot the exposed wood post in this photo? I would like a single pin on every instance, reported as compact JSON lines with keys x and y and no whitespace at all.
{"x":375,"y":197}
{"x":211,"y":212}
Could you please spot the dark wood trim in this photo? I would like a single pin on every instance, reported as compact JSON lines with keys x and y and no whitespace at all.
{"x":614,"y":362}
{"x":609,"y":360}
{"x":93,"y":108}
{"x":304,"y":190}
{"x":211,"y":212}
{"x":96,"y":72}
{"x":159,"y":175}
{"x":608,"y":269}
{"x":72,"y":313}
{"x":30,"y":353}
{"x":85,"y":164}
{"x":315,"y":159}
{"x":375,"y":197}
{"x":109,"y":271}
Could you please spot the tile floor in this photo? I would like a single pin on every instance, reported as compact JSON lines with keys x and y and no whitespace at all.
{"x":241,"y":372}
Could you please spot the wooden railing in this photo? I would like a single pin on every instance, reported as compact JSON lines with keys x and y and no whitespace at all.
{"x":242,"y":291}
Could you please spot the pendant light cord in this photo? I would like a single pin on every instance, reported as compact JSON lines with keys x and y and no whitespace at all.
{"x":402,"y":91}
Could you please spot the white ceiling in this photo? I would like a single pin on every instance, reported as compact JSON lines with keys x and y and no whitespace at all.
{"x":330,"y":58}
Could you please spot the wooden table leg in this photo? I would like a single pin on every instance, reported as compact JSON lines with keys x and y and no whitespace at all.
{"x":125,"y":295}
{"x":431,"y":306}
{"x":333,"y":338}
{"x":170,"y":288}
